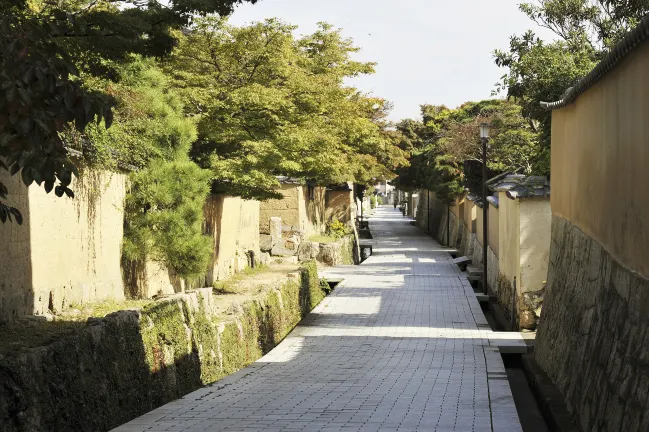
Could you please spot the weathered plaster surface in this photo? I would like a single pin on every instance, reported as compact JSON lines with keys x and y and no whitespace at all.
{"x":67,"y":250}
{"x":600,"y":160}
{"x":298,"y":211}
{"x":470,"y":215}
{"x":432,"y":217}
{"x":535,"y":229}
{"x":509,"y":241}
{"x":233,"y":223}
{"x":340,"y":206}
{"x":494,"y":233}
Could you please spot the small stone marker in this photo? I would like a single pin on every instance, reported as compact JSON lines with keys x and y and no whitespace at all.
{"x":275,"y":229}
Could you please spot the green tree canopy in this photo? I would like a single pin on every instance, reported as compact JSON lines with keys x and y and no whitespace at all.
{"x":267,"y":104}
{"x":446,"y":138}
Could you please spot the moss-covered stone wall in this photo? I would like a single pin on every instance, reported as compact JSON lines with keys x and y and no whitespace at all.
{"x":116,"y":368}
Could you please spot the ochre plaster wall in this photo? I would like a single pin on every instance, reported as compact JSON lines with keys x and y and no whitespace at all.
{"x":233,"y":223}
{"x":286,"y":208}
{"x":314,"y":215}
{"x":478,"y":225}
{"x":592,"y":337}
{"x":340,"y":205}
{"x":298,"y":212}
{"x":509,"y":239}
{"x":535,"y":233}
{"x":494,"y":233}
{"x":460,"y":213}
{"x":600,"y":155}
{"x":470,"y":215}
{"x":67,"y":250}
{"x":455,"y":209}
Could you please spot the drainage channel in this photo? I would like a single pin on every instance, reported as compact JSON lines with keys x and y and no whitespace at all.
{"x":365,"y":248}
{"x":529,"y":411}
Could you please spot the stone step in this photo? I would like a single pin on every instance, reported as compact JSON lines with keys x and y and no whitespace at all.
{"x":462,"y":262}
{"x":474,"y":271}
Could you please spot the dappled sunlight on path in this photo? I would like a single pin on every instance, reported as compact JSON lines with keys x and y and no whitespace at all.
{"x":401,"y":344}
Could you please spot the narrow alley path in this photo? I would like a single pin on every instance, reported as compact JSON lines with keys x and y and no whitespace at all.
{"x":401,"y":345}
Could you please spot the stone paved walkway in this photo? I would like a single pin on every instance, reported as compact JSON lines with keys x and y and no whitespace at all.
{"x":401,"y":345}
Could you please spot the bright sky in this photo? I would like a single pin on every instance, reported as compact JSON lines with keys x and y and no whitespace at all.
{"x":428,"y":51}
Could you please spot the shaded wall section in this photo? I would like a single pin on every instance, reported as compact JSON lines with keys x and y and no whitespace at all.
{"x":16,"y":291}
{"x":340,"y":206}
{"x":433,"y":214}
{"x":302,"y":208}
{"x":494,"y":234}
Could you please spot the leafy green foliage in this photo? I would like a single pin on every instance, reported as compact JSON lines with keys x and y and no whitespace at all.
{"x":268,"y":104}
{"x":40,"y":95}
{"x":164,"y":206}
{"x":149,"y":120}
{"x":325,"y":287}
{"x":446,"y":139}
{"x":47,"y":52}
{"x":164,"y":214}
{"x":540,"y":71}
{"x":597,"y":24}
{"x":337,"y":229}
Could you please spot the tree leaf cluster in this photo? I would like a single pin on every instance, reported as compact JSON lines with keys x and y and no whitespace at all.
{"x":47,"y":52}
{"x":542,"y":71}
{"x":445,"y":145}
{"x":268,"y":103}
{"x":151,"y":135}
{"x":164,"y":217}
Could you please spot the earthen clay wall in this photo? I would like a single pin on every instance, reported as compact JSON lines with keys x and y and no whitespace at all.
{"x":67,"y":251}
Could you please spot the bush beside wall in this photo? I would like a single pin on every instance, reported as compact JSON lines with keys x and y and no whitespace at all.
{"x":116,"y":368}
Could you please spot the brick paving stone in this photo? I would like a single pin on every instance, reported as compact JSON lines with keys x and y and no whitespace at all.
{"x":401,"y":345}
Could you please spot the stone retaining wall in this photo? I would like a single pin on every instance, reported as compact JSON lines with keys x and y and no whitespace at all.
{"x":593,"y":338}
{"x":116,"y":368}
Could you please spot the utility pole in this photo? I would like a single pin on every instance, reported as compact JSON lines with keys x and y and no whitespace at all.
{"x":484,"y":136}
